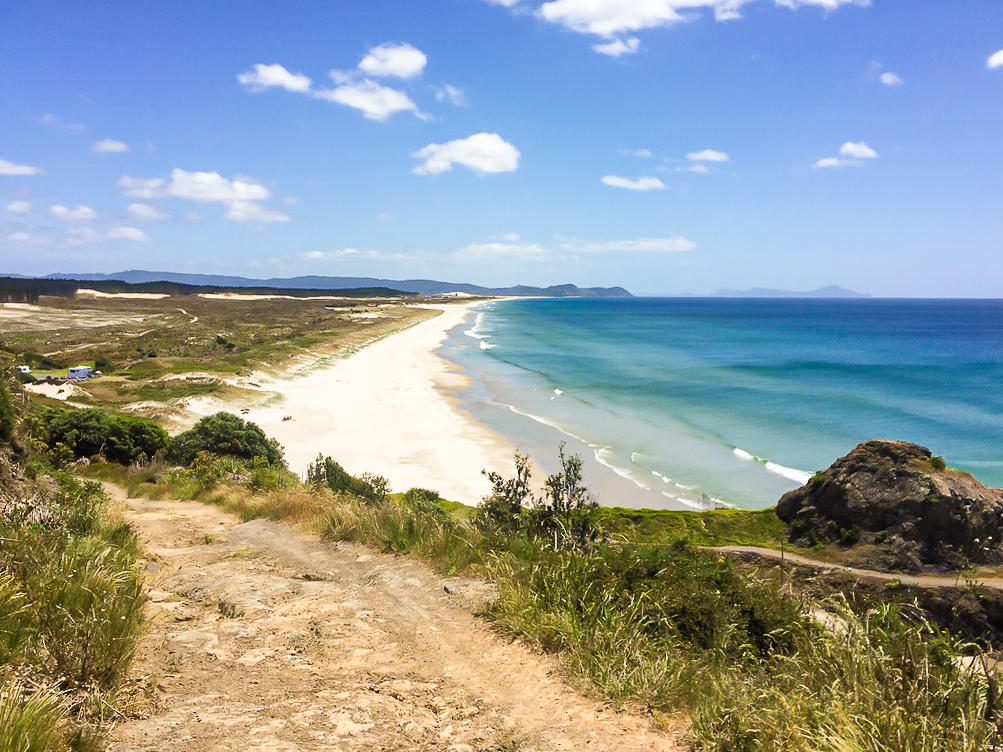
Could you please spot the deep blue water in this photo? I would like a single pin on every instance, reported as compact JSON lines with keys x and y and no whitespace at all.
{"x":690,"y":400}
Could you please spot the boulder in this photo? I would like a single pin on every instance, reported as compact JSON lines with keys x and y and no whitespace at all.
{"x":898,"y":497}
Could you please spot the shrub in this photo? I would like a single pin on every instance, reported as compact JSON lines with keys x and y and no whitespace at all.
{"x":8,"y":414}
{"x":224,"y":434}
{"x":566,"y":516}
{"x":938,"y":462}
{"x":121,"y":438}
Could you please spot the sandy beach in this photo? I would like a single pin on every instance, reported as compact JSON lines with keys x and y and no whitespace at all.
{"x":388,"y":409}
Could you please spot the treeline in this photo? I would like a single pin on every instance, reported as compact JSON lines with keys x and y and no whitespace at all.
{"x":28,"y":290}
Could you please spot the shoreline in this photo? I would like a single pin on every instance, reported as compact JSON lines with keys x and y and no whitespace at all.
{"x":392,"y":408}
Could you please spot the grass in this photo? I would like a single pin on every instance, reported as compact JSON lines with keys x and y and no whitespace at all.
{"x":717,"y":528}
{"x":70,"y":613}
{"x":652,"y":618}
{"x":138,"y":342}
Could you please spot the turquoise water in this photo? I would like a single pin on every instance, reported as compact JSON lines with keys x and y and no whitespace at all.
{"x":681,"y":403}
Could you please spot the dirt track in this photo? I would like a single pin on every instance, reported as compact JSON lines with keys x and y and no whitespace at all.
{"x":920,"y":580}
{"x":261,"y":637}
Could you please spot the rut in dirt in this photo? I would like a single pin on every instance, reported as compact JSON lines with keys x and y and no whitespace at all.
{"x":262,"y":637}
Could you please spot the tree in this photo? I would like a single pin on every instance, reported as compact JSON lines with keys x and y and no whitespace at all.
{"x":119,"y":438}
{"x":565,"y":516}
{"x":224,"y":434}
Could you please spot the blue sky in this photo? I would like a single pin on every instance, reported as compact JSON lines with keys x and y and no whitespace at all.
{"x":669,"y":146}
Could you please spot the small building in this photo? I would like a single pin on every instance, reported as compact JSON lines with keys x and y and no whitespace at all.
{"x":80,"y":372}
{"x":24,"y":369}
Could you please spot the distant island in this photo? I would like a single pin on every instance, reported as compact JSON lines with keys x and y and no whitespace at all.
{"x":426,"y":286}
{"x":832,"y":291}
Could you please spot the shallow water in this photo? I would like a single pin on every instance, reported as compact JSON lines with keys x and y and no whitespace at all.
{"x":686,"y":402}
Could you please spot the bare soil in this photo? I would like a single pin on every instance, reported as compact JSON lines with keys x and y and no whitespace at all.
{"x":262,"y":637}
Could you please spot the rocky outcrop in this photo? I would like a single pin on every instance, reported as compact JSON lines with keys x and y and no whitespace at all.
{"x":902,"y":503}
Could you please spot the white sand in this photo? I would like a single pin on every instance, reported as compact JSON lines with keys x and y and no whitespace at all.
{"x":239,"y":296}
{"x":389,"y":409}
{"x":86,"y":293}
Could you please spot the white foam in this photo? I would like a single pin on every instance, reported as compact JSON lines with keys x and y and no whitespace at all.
{"x":603,"y":454}
{"x":742,"y":454}
{"x":558,"y":392}
{"x":485,"y":345}
{"x":789,"y":472}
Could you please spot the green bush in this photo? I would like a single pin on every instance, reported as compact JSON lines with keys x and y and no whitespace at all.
{"x":124,"y":439}
{"x":224,"y":434}
{"x":8,"y":415}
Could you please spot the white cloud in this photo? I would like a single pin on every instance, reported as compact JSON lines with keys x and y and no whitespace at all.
{"x":499,"y":250}
{"x":262,"y":77}
{"x":830,"y":162}
{"x":353,"y":253}
{"x":248,"y":211}
{"x":211,"y":186}
{"x":449,"y":93}
{"x":503,"y":3}
{"x":24,"y":238}
{"x":109,"y":146}
{"x":639,"y":184}
{"x":700,"y":168}
{"x":376,"y":102}
{"x":146,"y":212}
{"x":18,"y":207}
{"x":674,"y":244}
{"x":128,"y":233}
{"x":396,"y":60}
{"x":618,"y":47}
{"x":80,"y":214}
{"x":995,"y":60}
{"x":851,"y":154}
{"x":707,"y":155}
{"x":141,"y":187}
{"x":12,"y":168}
{"x":824,"y":4}
{"x":610,"y":18}
{"x":640,"y":153}
{"x":857,"y":150}
{"x":53,"y":121}
{"x":483,"y":153}
{"x":79,"y":236}
{"x":888,"y":78}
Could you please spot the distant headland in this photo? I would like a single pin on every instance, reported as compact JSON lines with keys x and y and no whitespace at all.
{"x":832,"y":291}
{"x":426,"y":286}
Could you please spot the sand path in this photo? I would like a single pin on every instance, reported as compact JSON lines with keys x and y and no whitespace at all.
{"x":920,"y":580}
{"x":261,"y":637}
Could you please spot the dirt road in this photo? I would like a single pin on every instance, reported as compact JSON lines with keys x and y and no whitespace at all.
{"x":261,"y":637}
{"x":921,"y":580}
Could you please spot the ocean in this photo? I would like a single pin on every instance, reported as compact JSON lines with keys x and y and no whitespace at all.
{"x":687,"y":403}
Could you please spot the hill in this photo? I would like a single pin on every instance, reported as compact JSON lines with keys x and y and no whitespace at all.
{"x":343,"y":283}
{"x":832,"y":291}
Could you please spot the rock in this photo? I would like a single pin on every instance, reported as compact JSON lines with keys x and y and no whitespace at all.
{"x":896,"y":496}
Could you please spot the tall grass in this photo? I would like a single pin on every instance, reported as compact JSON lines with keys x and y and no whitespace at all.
{"x":30,"y":722}
{"x":70,"y":610}
{"x":688,"y":634}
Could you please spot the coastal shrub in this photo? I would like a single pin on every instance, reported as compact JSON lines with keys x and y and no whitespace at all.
{"x":121,"y":438}
{"x":325,"y":472}
{"x":566,"y":515}
{"x":8,"y":415}
{"x":224,"y":434}
{"x":69,"y":585}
